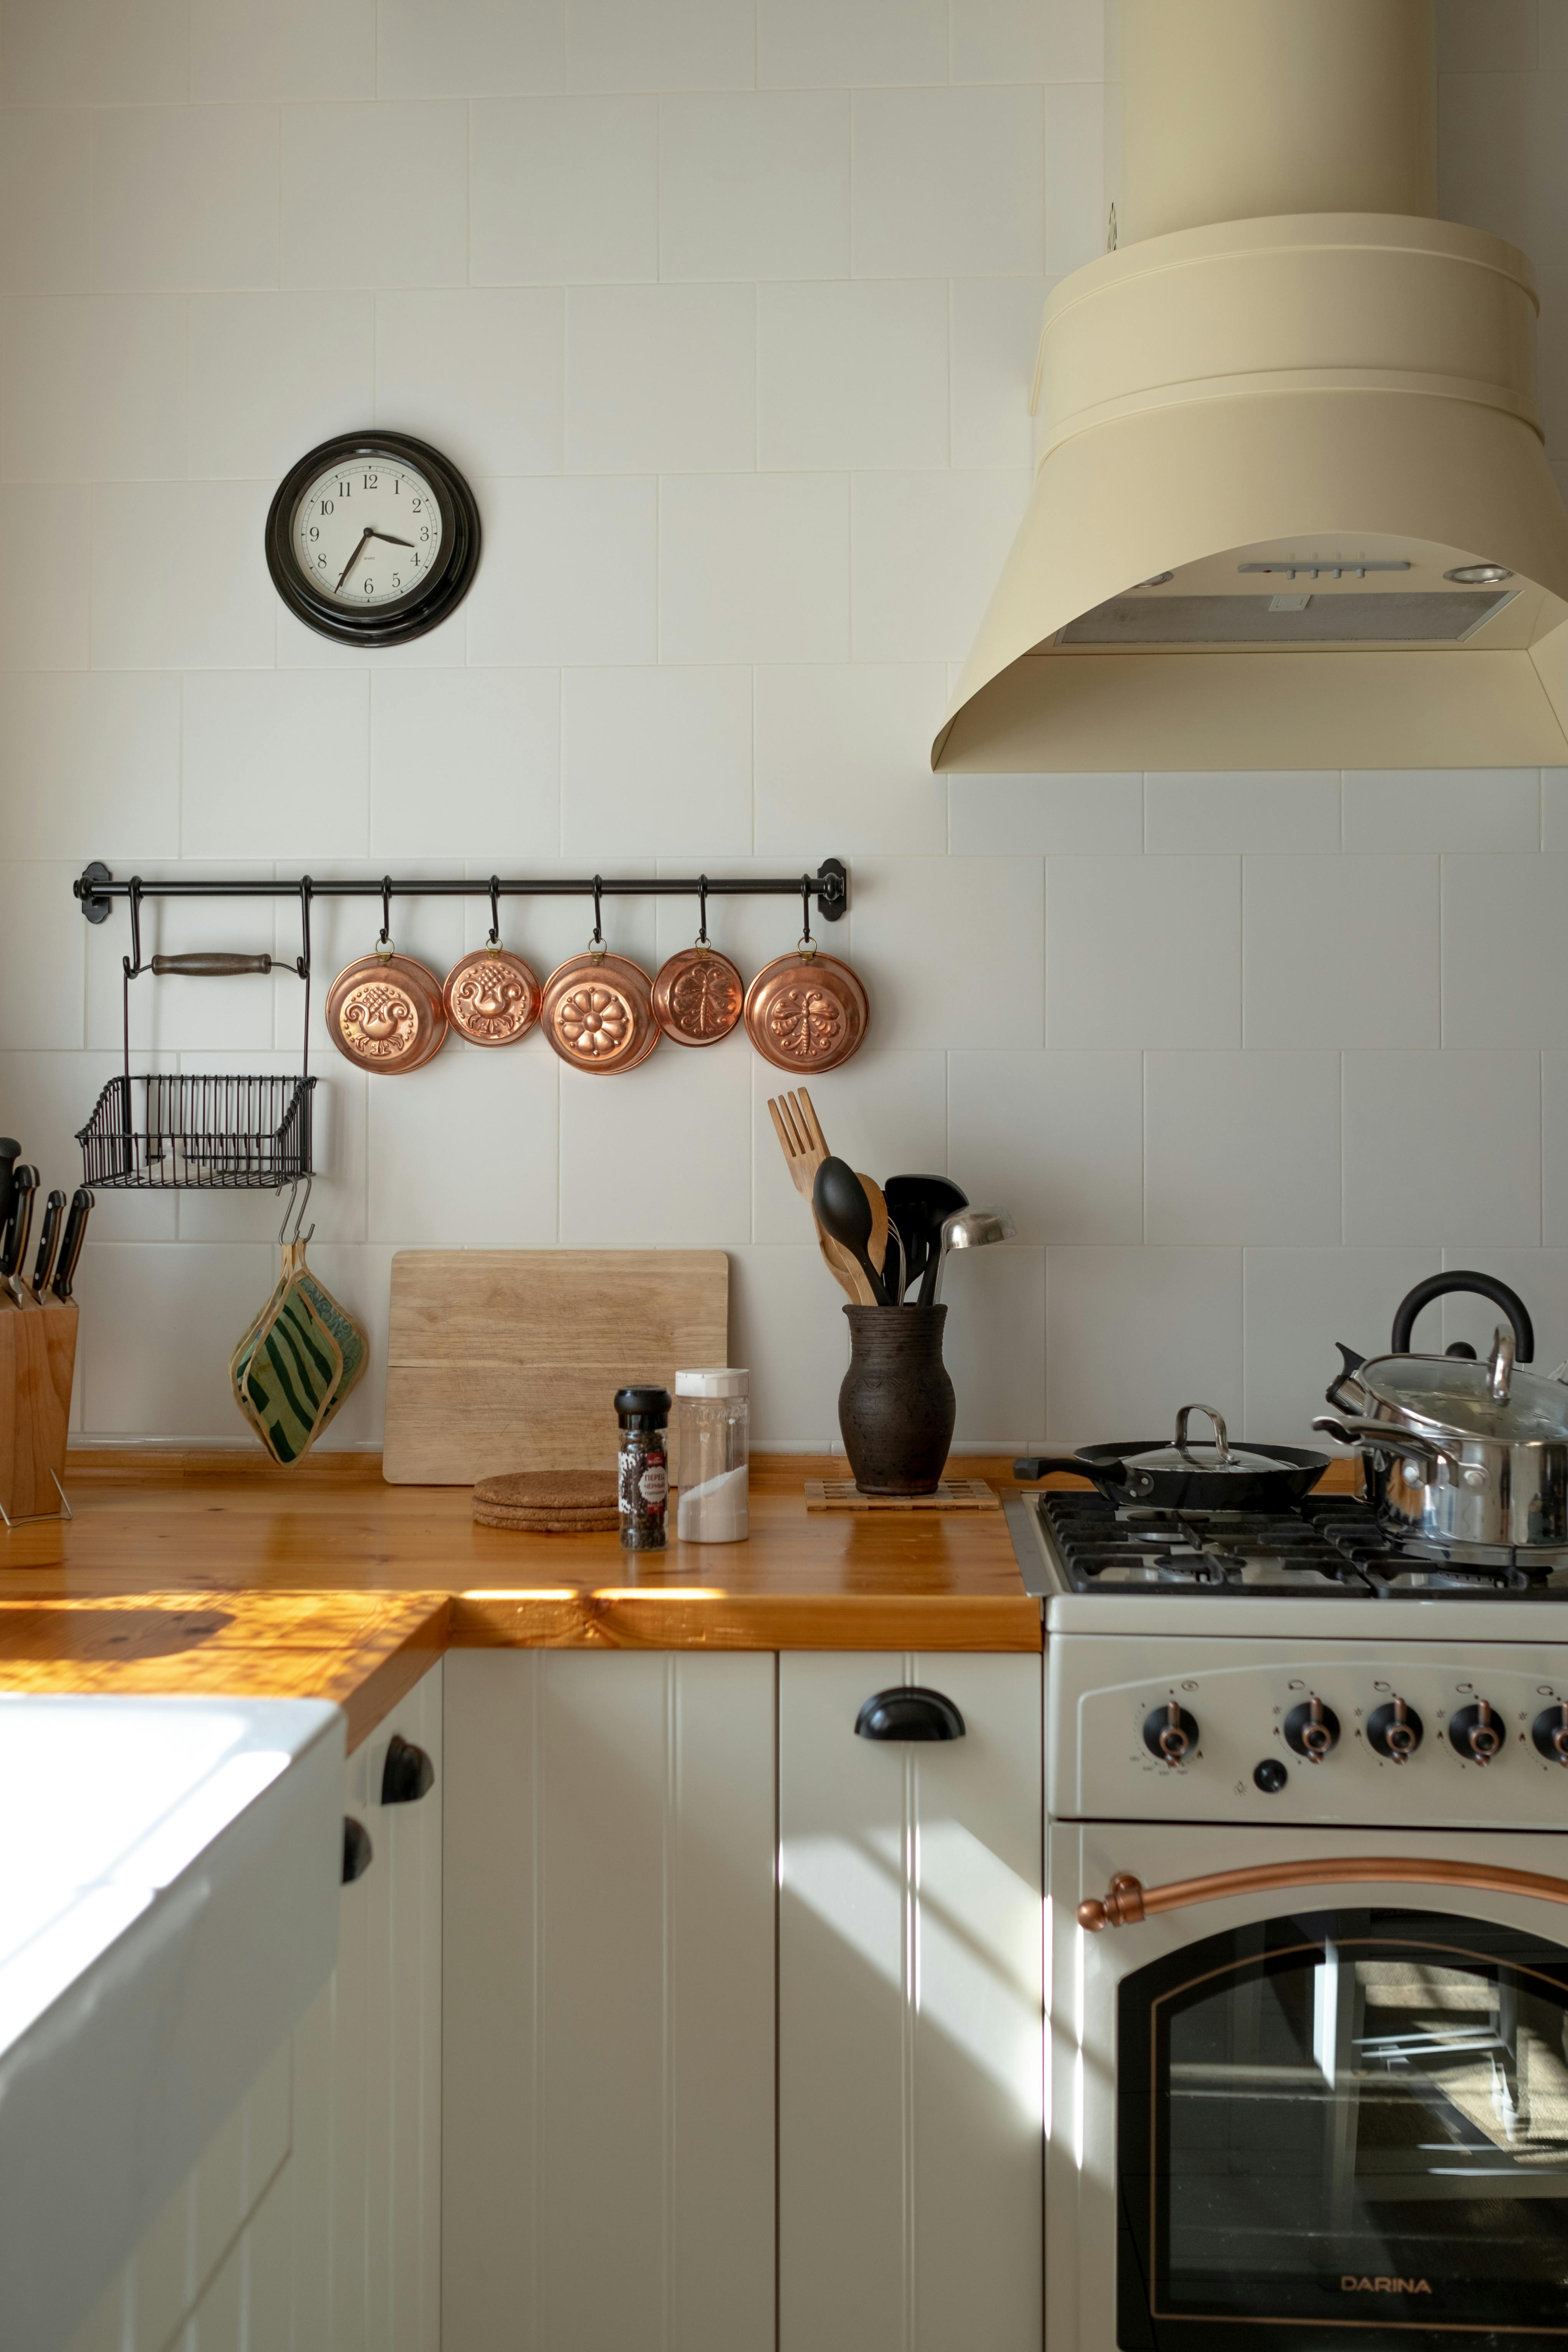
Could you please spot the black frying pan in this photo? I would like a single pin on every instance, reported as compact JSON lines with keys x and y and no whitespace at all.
{"x":1181,"y":1476}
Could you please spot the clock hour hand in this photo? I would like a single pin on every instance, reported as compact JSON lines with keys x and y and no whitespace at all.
{"x":366,"y":533}
{"x":390,"y":537}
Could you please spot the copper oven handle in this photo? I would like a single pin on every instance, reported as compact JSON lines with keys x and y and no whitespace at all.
{"x":1128,"y":1900}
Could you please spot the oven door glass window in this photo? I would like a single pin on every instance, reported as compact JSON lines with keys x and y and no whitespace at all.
{"x":1342,"y":2121}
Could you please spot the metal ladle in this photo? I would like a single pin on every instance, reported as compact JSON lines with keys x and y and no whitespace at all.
{"x":970,"y":1229}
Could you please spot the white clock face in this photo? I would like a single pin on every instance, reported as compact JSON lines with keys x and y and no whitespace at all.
{"x":367,"y":531}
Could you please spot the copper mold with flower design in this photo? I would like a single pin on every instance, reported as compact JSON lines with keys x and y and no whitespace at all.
{"x":384,"y":1013}
{"x":807,"y":1012}
{"x":491,"y":997}
{"x":598,"y":1013}
{"x":698,"y":995}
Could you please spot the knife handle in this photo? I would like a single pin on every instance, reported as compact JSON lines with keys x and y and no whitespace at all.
{"x":71,"y":1247}
{"x":48,"y":1240}
{"x":24,"y":1184}
{"x":10,"y":1152}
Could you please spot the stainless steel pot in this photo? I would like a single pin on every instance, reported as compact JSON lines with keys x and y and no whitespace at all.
{"x":1459,"y":1453}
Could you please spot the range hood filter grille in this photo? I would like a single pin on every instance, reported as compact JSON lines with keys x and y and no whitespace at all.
{"x":1386,"y":617}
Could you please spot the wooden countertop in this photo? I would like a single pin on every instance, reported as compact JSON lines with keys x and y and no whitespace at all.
{"x":326,"y":1583}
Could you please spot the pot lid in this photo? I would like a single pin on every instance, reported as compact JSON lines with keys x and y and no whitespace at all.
{"x":1496,"y":1399}
{"x":1221,"y":1455}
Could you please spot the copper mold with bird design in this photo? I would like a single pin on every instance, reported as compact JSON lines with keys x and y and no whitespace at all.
{"x":807,"y":1012}
{"x":385,"y":1013}
{"x":598,"y":1013}
{"x":491,"y":997}
{"x":698,"y":995}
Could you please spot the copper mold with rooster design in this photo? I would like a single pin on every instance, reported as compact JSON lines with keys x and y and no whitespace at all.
{"x":698,"y":995}
{"x":384,"y":1013}
{"x":806,"y":1012}
{"x":491,"y":997}
{"x":598,"y":1013}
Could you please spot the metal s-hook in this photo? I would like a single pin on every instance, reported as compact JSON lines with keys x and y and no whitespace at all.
{"x":598,"y":937}
{"x":385,"y":938}
{"x":299,"y":1217}
{"x":702,"y":896}
{"x":494,"y":939}
{"x":133,"y":962}
{"x":808,"y":944}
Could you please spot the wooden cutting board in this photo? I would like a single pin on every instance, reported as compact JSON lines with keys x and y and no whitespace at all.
{"x":509,"y":1360}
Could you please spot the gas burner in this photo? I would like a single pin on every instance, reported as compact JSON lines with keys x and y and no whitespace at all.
{"x":1139,"y":1548}
{"x":1410,"y":1567}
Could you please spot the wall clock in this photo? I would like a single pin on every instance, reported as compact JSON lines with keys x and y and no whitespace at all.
{"x":373,"y":537}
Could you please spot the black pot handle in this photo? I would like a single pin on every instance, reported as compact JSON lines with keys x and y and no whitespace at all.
{"x":909,"y":1713}
{"x":1486,"y":1285}
{"x":1041,"y":1465}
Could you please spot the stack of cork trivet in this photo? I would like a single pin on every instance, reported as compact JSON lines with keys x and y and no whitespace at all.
{"x":549,"y":1502}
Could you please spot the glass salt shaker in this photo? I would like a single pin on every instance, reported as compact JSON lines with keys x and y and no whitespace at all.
{"x":644,"y":1492}
{"x":713,"y":1412}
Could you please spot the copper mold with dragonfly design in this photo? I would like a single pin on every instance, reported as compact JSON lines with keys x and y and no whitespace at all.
{"x":598,"y":1013}
{"x":698,"y":995}
{"x":807,"y":1012}
{"x":491,"y":997}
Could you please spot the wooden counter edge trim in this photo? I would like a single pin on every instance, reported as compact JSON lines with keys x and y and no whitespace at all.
{"x":371,"y":1698}
{"x":656,"y":1621}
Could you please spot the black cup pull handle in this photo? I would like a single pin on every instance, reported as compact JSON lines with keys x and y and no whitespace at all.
{"x":1485,"y":1285}
{"x":907,"y":1712}
{"x":358,"y":1850}
{"x":407,"y":1775}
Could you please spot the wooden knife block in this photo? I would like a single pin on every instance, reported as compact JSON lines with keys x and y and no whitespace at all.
{"x":37,"y":1362}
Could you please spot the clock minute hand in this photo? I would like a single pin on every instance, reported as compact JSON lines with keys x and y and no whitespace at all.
{"x":366,"y":533}
{"x":390,"y":537}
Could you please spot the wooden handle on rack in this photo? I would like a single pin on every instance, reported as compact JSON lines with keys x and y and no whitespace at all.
{"x":1128,"y":1900}
{"x":216,"y":965}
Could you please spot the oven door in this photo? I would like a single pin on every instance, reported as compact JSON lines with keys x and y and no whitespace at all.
{"x":1309,"y":2113}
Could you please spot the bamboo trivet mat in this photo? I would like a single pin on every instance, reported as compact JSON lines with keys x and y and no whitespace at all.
{"x":952,"y":1494}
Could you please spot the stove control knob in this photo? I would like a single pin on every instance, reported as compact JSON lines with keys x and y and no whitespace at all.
{"x":1476,"y":1733}
{"x":1170,"y":1733}
{"x":1550,"y":1732}
{"x":1394,"y":1730}
{"x":1313,"y":1729}
{"x":1271,"y":1776}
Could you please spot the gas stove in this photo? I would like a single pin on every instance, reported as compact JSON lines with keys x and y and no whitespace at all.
{"x":1086,"y":1559}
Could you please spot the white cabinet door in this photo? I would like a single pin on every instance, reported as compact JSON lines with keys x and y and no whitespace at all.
{"x":608,"y":2069}
{"x":365,"y":2179}
{"x":911,"y":2013}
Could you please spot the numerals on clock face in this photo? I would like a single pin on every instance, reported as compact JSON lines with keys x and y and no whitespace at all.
{"x":368,"y":534}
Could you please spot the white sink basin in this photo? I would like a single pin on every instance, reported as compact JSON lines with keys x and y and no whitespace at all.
{"x":169,"y":1876}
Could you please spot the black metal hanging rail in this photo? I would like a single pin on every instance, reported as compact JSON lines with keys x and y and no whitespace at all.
{"x":96,"y":887}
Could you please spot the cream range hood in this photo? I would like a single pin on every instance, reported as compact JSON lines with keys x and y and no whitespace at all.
{"x":1292,"y":507}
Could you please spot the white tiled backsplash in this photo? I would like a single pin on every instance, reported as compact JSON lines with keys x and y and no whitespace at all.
{"x":728,"y":308}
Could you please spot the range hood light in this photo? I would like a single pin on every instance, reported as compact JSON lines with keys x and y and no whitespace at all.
{"x":1478,"y":575}
{"x":1158,"y":581}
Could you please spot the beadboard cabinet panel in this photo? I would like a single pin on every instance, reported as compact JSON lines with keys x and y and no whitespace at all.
{"x":911,"y":1961}
{"x":609,"y":2024}
{"x":311,"y":2221}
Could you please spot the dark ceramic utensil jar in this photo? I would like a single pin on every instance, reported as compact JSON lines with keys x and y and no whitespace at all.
{"x":896,"y":1406}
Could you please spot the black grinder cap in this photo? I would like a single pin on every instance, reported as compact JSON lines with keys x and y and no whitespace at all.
{"x":642,"y":1408}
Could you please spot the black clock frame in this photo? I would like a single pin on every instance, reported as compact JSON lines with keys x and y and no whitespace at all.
{"x":422,"y":608}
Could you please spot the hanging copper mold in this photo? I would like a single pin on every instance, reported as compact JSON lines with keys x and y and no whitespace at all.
{"x":807,"y":1012}
{"x":491,"y":997}
{"x":698,"y":993}
{"x":384,"y":1010}
{"x":598,"y":1008}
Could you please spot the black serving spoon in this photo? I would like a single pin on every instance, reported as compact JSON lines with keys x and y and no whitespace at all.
{"x":844,"y":1213}
{"x":919,"y":1205}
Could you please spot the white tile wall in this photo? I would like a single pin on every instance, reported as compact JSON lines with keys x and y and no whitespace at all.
{"x":728,"y":309}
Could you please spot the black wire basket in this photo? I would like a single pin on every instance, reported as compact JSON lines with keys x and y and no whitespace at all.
{"x":173,"y":1133}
